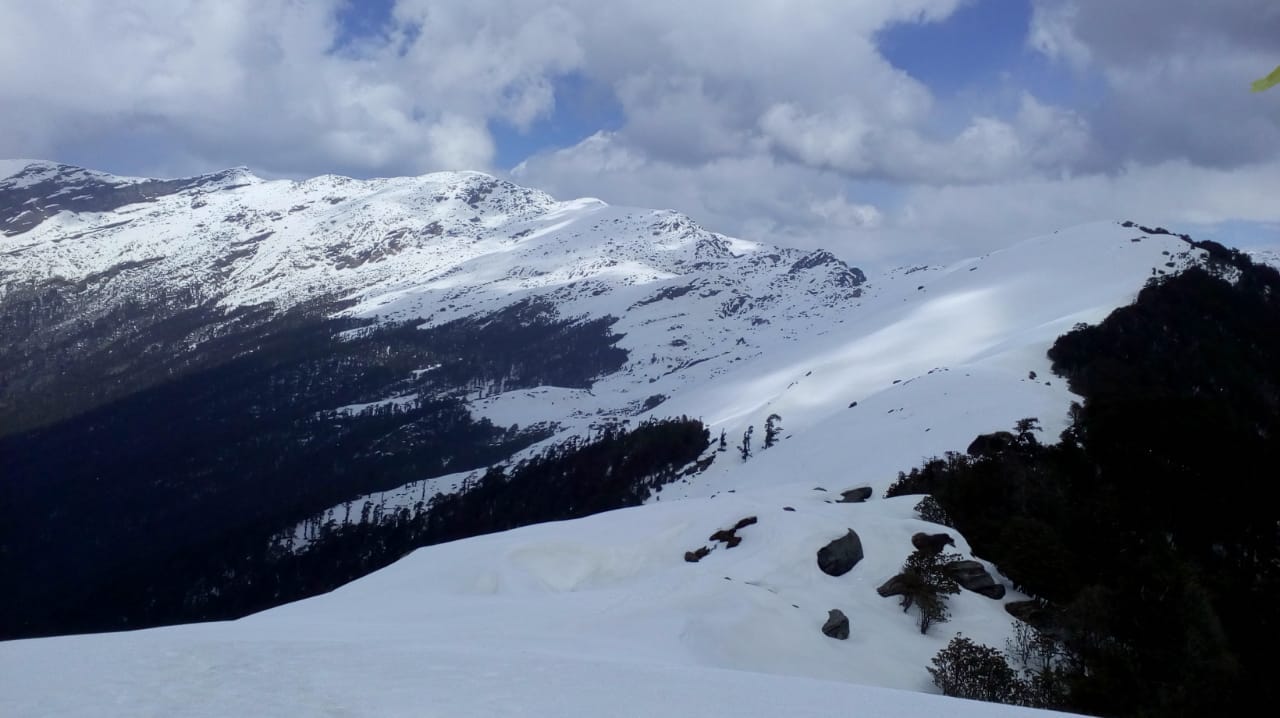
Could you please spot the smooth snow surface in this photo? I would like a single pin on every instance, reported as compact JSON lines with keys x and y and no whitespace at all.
{"x":603,"y":616}
{"x":599,"y":616}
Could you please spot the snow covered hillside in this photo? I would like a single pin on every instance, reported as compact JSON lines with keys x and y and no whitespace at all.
{"x":927,"y":358}
{"x":429,"y":250}
{"x":601,"y":615}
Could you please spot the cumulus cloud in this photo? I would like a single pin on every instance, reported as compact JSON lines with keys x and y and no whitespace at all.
{"x":780,"y":121}
{"x":1176,"y":75}
{"x":260,"y":82}
{"x":695,"y":81}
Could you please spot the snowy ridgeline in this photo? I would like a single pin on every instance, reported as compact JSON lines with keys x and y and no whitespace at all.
{"x":931,"y":356}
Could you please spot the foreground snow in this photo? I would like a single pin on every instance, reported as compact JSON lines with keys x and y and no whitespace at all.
{"x":216,"y":678}
{"x":599,"y":616}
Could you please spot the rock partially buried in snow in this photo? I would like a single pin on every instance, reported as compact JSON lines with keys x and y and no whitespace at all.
{"x":895,"y":586}
{"x":841,"y":555}
{"x":972,"y":576}
{"x":730,"y":537}
{"x":696,"y":556}
{"x":855,"y":496}
{"x":837,"y":625}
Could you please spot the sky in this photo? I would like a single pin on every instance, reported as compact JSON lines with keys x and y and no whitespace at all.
{"x":881,"y":129}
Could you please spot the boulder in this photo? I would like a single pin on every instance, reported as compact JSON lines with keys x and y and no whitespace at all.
{"x":837,"y":625}
{"x":729,"y":537}
{"x":993,"y":443}
{"x":696,"y":556}
{"x":931,"y":544}
{"x":1031,"y":612}
{"x":972,"y":576}
{"x":895,"y":586}
{"x":841,"y":555}
{"x":855,"y":496}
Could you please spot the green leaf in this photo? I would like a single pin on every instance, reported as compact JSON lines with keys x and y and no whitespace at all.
{"x":1267,"y":82}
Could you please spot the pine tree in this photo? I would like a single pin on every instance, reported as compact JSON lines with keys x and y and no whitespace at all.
{"x":745,"y":449}
{"x":928,"y":586}
{"x":772,"y":427}
{"x":965,"y":669}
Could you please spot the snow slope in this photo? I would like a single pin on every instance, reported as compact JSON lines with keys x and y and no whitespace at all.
{"x":602,"y":615}
{"x":931,"y":357}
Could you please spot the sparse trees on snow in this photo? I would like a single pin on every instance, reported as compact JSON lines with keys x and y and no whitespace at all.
{"x":772,"y":427}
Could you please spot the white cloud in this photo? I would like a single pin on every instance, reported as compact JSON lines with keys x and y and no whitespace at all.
{"x":841,"y":212}
{"x":257,"y":81}
{"x":1175,"y":75}
{"x":759,"y":197}
{"x":777,"y":120}
{"x":1051,"y":33}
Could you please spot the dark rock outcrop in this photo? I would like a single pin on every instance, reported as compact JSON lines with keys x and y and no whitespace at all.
{"x":837,"y":625}
{"x":1033,"y":613}
{"x":993,"y":443}
{"x":855,"y":496}
{"x":895,"y":586}
{"x":932,"y":544}
{"x":841,"y":555}
{"x":730,"y":537}
{"x":696,"y":556}
{"x":972,"y":576}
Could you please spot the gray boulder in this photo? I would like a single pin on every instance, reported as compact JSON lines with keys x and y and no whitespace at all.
{"x":837,"y":625}
{"x":855,"y":496}
{"x":972,"y":576}
{"x":841,"y":555}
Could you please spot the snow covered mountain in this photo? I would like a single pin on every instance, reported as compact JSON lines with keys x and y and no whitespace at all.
{"x":429,"y":249}
{"x":867,"y":376}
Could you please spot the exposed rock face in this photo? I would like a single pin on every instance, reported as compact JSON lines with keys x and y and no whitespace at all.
{"x":1033,"y":613}
{"x":992,"y":443}
{"x":932,"y":544}
{"x":837,"y":625}
{"x":972,"y":576}
{"x":730,"y":537}
{"x":696,"y":556}
{"x":855,"y":496}
{"x":841,"y":555}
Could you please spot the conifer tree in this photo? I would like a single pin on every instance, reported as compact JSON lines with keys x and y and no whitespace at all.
{"x":772,"y":427}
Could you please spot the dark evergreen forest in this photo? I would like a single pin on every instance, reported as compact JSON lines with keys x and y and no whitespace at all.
{"x":1149,"y":531}
{"x":240,"y":573}
{"x":109,"y":516}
